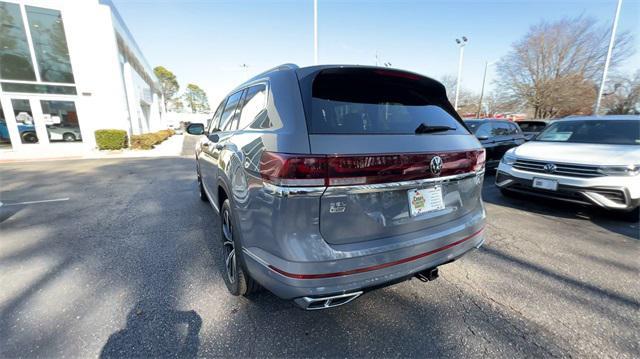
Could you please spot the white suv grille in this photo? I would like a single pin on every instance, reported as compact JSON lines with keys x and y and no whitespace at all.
{"x":562,"y":169}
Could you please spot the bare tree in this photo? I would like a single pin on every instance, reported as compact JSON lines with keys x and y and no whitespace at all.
{"x":554,"y":68}
{"x":467,"y":101}
{"x":622,"y":96}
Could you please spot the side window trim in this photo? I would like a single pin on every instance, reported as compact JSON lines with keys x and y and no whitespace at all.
{"x":236,"y":112}
{"x":223,"y":127}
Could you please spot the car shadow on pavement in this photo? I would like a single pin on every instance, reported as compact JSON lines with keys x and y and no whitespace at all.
{"x":610,"y":221}
{"x":155,"y":332}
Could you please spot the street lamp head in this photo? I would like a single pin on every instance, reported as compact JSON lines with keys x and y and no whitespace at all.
{"x":458,"y":41}
{"x":464,"y":38}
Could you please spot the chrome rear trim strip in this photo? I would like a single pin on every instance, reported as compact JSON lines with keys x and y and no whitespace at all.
{"x":281,"y":191}
{"x":381,"y":187}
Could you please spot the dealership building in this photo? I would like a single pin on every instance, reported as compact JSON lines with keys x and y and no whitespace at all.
{"x":68,"y":68}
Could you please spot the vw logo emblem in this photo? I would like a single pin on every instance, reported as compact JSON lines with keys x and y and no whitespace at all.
{"x":549,"y":168}
{"x":436,"y":165}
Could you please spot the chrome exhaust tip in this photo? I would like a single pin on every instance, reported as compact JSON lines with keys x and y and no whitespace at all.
{"x":311,"y":303}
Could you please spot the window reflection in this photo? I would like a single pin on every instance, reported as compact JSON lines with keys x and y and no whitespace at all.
{"x":5,"y":140}
{"x":50,"y":44}
{"x":24,"y":119}
{"x":15,"y":57}
{"x":61,"y":120}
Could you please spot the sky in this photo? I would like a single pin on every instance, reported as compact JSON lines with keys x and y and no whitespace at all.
{"x":208,"y":42}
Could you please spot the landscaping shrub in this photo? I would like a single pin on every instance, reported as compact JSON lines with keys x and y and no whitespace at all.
{"x":147,"y":141}
{"x":111,"y":139}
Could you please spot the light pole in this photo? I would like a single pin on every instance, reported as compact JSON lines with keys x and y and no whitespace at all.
{"x":608,"y":60}
{"x":461,"y":44}
{"x":484,"y":79}
{"x":315,"y":32}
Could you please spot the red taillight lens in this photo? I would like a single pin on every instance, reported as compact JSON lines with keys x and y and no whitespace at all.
{"x":481,"y":159}
{"x":293,"y":170}
{"x":302,"y":170}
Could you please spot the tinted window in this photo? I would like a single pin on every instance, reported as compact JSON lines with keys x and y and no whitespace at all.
{"x":532,"y":126}
{"x":514,"y":129}
{"x":500,"y":129}
{"x":50,"y":44}
{"x":366,"y":101}
{"x":15,"y":57}
{"x":215,"y":120}
{"x":615,"y":132}
{"x":229,"y":109}
{"x":254,"y":103}
{"x":473,"y":125}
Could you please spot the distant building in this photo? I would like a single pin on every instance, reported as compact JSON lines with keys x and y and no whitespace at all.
{"x":68,"y":68}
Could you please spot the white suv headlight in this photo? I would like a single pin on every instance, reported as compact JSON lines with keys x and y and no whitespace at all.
{"x":509,"y":159}
{"x":630,"y":170}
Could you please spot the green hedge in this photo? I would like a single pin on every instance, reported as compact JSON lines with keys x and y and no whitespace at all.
{"x":111,"y":139}
{"x":148,"y":140}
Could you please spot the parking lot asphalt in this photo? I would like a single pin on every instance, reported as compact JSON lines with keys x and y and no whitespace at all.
{"x":122,"y":261}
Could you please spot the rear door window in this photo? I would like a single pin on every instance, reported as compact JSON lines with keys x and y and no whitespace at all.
{"x":374,"y":101}
{"x":500,"y":129}
{"x":229,"y":110}
{"x":254,"y":103}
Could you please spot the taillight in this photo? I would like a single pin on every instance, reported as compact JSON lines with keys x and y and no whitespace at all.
{"x":481,"y":159}
{"x":333,"y":170}
{"x":293,"y":170}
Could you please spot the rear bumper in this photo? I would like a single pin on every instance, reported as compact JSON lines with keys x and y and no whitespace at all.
{"x":290,"y":280}
{"x":606,"y":192}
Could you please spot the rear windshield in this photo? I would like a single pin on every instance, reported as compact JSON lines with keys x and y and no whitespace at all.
{"x":614,"y":132}
{"x":532,"y":126}
{"x":376,"y":101}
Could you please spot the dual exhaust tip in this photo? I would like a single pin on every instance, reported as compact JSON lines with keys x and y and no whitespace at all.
{"x":312,"y":303}
{"x":309,"y":303}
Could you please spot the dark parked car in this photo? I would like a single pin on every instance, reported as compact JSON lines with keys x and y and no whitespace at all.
{"x":333,"y":180}
{"x":530,"y":128}
{"x":497,"y":137}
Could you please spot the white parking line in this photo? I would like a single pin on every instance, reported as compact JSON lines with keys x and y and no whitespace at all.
{"x":35,"y":202}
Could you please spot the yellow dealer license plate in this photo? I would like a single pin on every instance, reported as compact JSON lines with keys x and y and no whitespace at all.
{"x":425,"y":200}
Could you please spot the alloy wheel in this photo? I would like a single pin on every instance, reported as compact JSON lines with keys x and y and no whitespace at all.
{"x":229,"y":249}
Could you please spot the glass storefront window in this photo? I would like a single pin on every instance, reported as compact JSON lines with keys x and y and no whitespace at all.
{"x":50,"y":44}
{"x":61,"y":120}
{"x":15,"y":57}
{"x":37,"y":88}
{"x":24,"y":119}
{"x":5,"y":140}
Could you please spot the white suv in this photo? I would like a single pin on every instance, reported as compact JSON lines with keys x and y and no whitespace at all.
{"x":588,"y":160}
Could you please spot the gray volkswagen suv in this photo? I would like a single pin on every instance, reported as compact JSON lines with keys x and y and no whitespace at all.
{"x":334,"y":180}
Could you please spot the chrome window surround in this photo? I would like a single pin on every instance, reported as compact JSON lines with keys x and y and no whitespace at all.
{"x":281,"y":191}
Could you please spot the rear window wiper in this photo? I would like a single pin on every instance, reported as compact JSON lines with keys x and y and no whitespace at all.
{"x":432,"y":129}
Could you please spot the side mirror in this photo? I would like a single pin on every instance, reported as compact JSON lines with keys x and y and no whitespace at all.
{"x":483,"y":137}
{"x":214,"y":137}
{"x":195,"y":129}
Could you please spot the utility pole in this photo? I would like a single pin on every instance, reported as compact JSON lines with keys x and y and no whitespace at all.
{"x":608,"y":60}
{"x":461,"y":44}
{"x":315,"y":32}
{"x":484,"y":79}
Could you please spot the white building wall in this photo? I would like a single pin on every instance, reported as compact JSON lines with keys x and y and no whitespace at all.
{"x":94,"y":55}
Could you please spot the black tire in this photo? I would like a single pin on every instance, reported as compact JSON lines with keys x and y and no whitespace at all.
{"x":236,"y":279}
{"x":69,"y":137}
{"x":632,"y":216}
{"x":29,"y":137}
{"x":203,"y":194}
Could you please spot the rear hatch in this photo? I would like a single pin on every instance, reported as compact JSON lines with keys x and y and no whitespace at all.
{"x":381,"y":131}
